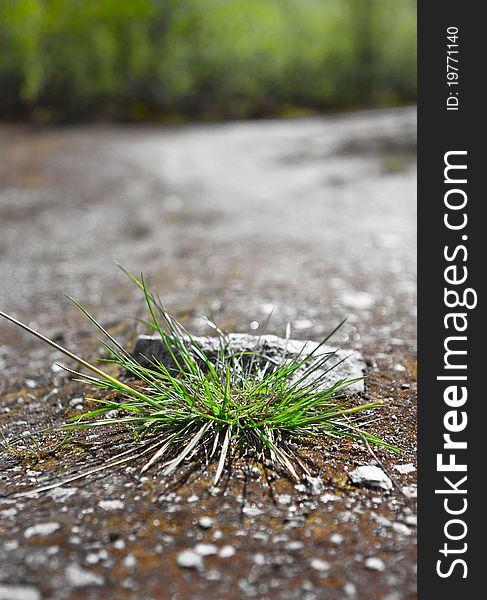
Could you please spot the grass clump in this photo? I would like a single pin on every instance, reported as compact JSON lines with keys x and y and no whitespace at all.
{"x":210,"y":409}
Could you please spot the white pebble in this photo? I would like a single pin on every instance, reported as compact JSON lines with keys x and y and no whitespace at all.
{"x":370,"y":475}
{"x":252,"y":511}
{"x":76,"y":402}
{"x":205,"y":522}
{"x":294,"y":545}
{"x":19,"y":592}
{"x":60,"y":494}
{"x":401,"y":528}
{"x":405,"y":469}
{"x":226,"y":552}
{"x":41,"y":529}
{"x":374,"y":564}
{"x":205,"y":549}
{"x":315,"y":484}
{"x":325,"y":498}
{"x":111,"y":504}
{"x":129,"y":561}
{"x":320,"y":565}
{"x":350,"y":589}
{"x":411,"y":491}
{"x":284,"y":499}
{"x":92,"y":558}
{"x":188,"y":559}
{"x":358,"y":300}
{"x":213,"y":575}
{"x":79,"y":577}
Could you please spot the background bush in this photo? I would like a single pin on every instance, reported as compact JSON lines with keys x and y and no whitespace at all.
{"x":203,"y":58}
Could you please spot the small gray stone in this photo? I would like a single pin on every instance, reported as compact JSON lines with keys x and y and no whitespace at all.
{"x":19,"y":592}
{"x":42,"y":529}
{"x":92,"y":558}
{"x":60,"y":494}
{"x":325,"y":498}
{"x":319,"y":564}
{"x":205,"y":522}
{"x":273,"y":349}
{"x":189,"y":559}
{"x":350,"y":590}
{"x":401,"y":529}
{"x":205,"y":549}
{"x":226,"y":551}
{"x":315,"y":484}
{"x":374,"y":564}
{"x":79,"y":577}
{"x":411,"y":491}
{"x":76,"y":403}
{"x":252,"y":511}
{"x":129,"y":561}
{"x":336,"y":538}
{"x":294,"y":545}
{"x":213,"y":575}
{"x":284,"y":499}
{"x":111,"y":504}
{"x":405,"y":469}
{"x":358,"y":300}
{"x":370,"y":476}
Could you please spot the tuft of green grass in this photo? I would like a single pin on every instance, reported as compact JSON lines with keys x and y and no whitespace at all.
{"x":210,"y":410}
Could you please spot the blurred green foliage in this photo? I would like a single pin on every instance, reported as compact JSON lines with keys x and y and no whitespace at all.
{"x":204,"y":58}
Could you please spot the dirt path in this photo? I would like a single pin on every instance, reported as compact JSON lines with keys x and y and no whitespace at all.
{"x":313,"y":217}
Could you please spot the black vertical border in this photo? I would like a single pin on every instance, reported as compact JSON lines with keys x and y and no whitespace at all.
{"x":439,"y":131}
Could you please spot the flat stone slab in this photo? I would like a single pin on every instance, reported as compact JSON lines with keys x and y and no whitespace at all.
{"x":349,"y":364}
